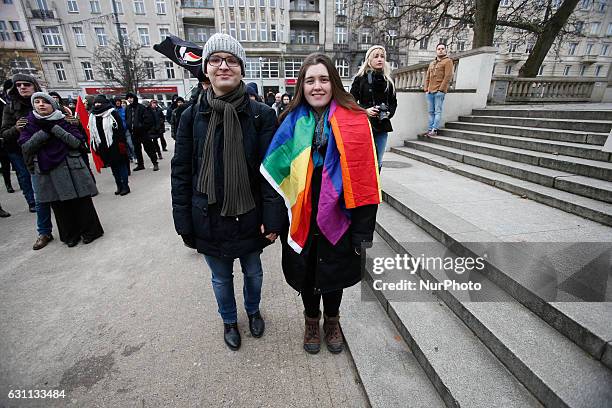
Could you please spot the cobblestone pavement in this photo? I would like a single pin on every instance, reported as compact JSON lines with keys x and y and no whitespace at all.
{"x":131,"y":320}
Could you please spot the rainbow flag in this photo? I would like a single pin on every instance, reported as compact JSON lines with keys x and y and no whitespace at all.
{"x":350,"y":171}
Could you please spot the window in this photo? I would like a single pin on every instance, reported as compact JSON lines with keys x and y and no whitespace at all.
{"x":139,"y":7}
{"x":273,"y":37}
{"x":124,"y":35}
{"x":424,"y":43}
{"x":566,"y":70}
{"x":243,"y":32}
{"x":292,"y":67}
{"x":595,"y":28}
{"x":585,"y":4}
{"x":589,"y":49}
{"x":504,"y":3}
{"x":443,"y":40}
{"x":512,"y":46}
{"x":242,"y":3}
{"x":163,"y":33}
{"x":149,"y":69}
{"x":579,"y":26}
{"x":253,"y":31}
{"x":341,"y":36}
{"x":51,"y":37}
{"x":342,"y":66}
{"x":366,"y":36}
{"x":4,"y":35}
{"x":460,"y":45}
{"x":572,"y":48}
{"x":604,"y":50}
{"x":79,"y":37}
{"x":42,"y":4}
{"x":368,"y":8}
{"x":143,"y":35}
{"x":341,"y":7}
{"x":508,"y":70}
{"x":73,"y":6}
{"x":391,"y":37}
{"x":251,"y":67}
{"x":232,"y":30}
{"x":59,"y":70}
{"x":445,"y":22}
{"x":602,"y":6}
{"x":170,"y":70}
{"x":160,"y":6}
{"x":118,"y":5}
{"x":598,"y":70}
{"x":269,"y":67}
{"x":393,"y":65}
{"x":107,"y":67}
{"x":8,"y":1}
{"x":272,"y":4}
{"x":16,"y":27}
{"x":263,"y":31}
{"x":94,"y":5}
{"x":88,"y":70}
{"x":529,"y":47}
{"x":251,"y":3}
{"x":541,"y":70}
{"x":101,"y":36}
{"x":609,"y":32}
{"x":582,"y":70}
{"x":262,"y":3}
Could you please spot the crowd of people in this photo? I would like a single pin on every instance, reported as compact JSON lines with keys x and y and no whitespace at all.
{"x":246,"y":170}
{"x":49,"y":148}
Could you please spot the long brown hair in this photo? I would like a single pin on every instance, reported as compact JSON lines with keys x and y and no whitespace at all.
{"x":341,"y":97}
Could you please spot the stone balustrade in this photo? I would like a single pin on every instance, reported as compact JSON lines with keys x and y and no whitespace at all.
{"x":508,"y":89}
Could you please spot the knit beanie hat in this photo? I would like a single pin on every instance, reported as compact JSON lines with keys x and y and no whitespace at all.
{"x":45,"y":96}
{"x":220,"y":42}
{"x":131,"y":95}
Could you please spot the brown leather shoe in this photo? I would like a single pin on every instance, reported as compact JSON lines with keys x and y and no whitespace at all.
{"x":333,"y":334}
{"x":42,"y":242}
{"x":312,"y":334}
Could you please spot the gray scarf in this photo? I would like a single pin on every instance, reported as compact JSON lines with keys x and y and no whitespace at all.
{"x":238,"y":198}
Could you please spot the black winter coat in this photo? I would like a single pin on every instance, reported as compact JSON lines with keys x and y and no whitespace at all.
{"x":116,"y":152}
{"x":335,"y":266}
{"x":9,"y":134}
{"x":138,"y":120}
{"x":216,"y":235}
{"x":363,"y":92}
{"x":157,"y":116}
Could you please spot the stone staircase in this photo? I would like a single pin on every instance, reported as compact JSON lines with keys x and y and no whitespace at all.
{"x":445,"y":196}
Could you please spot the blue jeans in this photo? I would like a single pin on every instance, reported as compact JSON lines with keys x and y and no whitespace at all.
{"x":223,"y":284}
{"x":43,"y":214}
{"x":23,"y":177}
{"x":435,"y":101}
{"x":130,"y":144}
{"x":120,"y":173}
{"x":380,"y":141}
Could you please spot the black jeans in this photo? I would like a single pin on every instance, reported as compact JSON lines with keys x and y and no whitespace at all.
{"x":6,"y":169}
{"x":149,"y":147}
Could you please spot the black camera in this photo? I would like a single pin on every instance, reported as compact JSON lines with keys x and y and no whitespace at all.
{"x":383,"y":111}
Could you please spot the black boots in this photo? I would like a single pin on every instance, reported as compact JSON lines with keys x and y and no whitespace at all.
{"x":4,"y":214}
{"x":256,"y":325}
{"x":9,"y":187}
{"x":231,"y":335}
{"x":155,"y":167}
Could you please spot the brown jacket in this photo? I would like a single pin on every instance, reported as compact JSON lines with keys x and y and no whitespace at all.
{"x":439,"y":75}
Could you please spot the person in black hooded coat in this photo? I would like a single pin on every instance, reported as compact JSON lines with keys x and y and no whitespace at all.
{"x":108,"y":140}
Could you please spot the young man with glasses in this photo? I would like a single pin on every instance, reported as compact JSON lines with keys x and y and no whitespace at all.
{"x":13,"y":122}
{"x":438,"y":77}
{"x":222,"y":205}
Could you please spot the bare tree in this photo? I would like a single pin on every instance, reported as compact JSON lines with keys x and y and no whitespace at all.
{"x":538,"y":22}
{"x":124,"y":65}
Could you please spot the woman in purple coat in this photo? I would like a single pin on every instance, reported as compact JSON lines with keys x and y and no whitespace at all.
{"x":52,"y":150}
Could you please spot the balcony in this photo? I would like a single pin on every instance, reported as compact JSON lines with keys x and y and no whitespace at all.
{"x":590,"y":58}
{"x":304,"y":48}
{"x":198,"y":9}
{"x":341,"y":47}
{"x":40,"y":14}
{"x":514,"y":56}
{"x":304,"y":11}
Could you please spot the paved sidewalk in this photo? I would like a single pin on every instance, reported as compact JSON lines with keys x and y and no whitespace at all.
{"x":131,"y":320}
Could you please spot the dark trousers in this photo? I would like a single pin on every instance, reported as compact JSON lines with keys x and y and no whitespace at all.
{"x":312,"y":300}
{"x":120,"y":173}
{"x":76,"y":218}
{"x":6,"y":169}
{"x":149,"y":148}
{"x":162,"y":140}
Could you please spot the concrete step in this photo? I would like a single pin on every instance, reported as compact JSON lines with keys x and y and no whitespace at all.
{"x":548,"y":113}
{"x":580,"y":185}
{"x":597,"y":126}
{"x":553,"y":368}
{"x":574,"y":204}
{"x":581,"y":150}
{"x":489,"y":216}
{"x":387,"y":368}
{"x":560,"y":135}
{"x":463,"y":370}
{"x":568,"y":164}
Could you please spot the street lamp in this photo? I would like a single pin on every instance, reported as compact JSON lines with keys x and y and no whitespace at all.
{"x":260,"y":75}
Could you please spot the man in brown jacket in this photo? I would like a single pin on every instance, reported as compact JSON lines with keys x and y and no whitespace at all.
{"x":439,"y":75}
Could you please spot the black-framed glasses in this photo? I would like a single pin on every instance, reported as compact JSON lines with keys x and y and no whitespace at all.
{"x":216,"y":61}
{"x":23,"y":85}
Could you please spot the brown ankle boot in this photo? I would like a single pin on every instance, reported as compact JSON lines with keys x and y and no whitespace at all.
{"x":312,"y":334}
{"x":333,"y":335}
